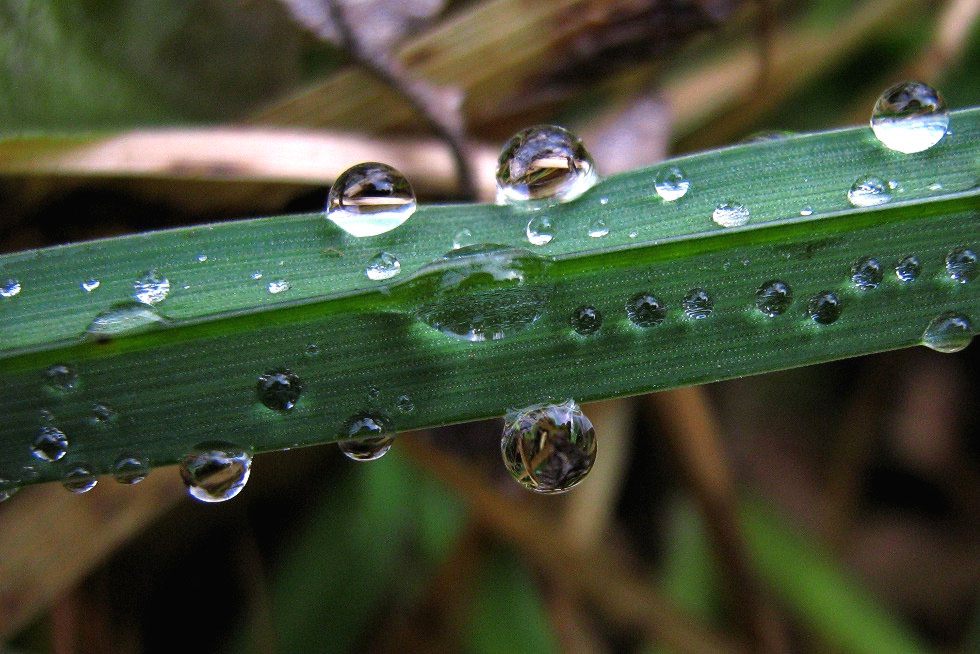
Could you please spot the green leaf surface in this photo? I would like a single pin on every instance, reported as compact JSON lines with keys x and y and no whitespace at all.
{"x":191,"y":377}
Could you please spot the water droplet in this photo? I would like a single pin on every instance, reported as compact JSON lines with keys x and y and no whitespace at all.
{"x":773,"y":298}
{"x":867,"y":273}
{"x":383,"y":266}
{"x":824,"y":308}
{"x":61,"y":377}
{"x":910,"y":117}
{"x":895,"y":185}
{"x":868,"y":191}
{"x":548,"y":448}
{"x":312,"y":350}
{"x":482,"y":292}
{"x":278,"y":286}
{"x":633,"y":233}
{"x":961,"y":265}
{"x":127,"y":318}
{"x":807,"y":210}
{"x":671,"y":183}
{"x":367,"y":437}
{"x":405,"y":404}
{"x":603,"y":201}
{"x":598,"y":228}
{"x":201,"y":258}
{"x":698,"y":304}
{"x":908,"y":268}
{"x":80,"y":479}
{"x":540,"y":230}
{"x":949,"y":332}
{"x":90,"y":285}
{"x":257,"y":275}
{"x":586,"y":320}
{"x":645,"y":310}
{"x":10,"y":288}
{"x":730,"y":214}
{"x":215,"y":472}
{"x":935,"y":186}
{"x":543,"y":165}
{"x":50,"y":444}
{"x":370,"y":199}
{"x":374,"y":392}
{"x":151,"y":288}
{"x":102,"y":413}
{"x":279,"y":389}
{"x":463,"y":238}
{"x":130,"y":469}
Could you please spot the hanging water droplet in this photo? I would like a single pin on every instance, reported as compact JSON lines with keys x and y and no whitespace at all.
{"x":910,"y":117}
{"x":867,"y":273}
{"x":540,"y":230}
{"x":367,"y":437}
{"x":278,"y":286}
{"x":383,"y":266}
{"x":586,"y":320}
{"x":10,"y":288}
{"x":50,"y":444}
{"x":807,"y":210}
{"x":130,"y":469}
{"x":151,"y":288}
{"x":370,"y":199}
{"x":773,"y":298}
{"x":671,"y":183}
{"x":698,"y":304}
{"x":90,"y":285}
{"x":908,"y":268}
{"x":463,"y":238}
{"x":543,"y":165}
{"x":868,"y":191}
{"x":633,"y":233}
{"x":405,"y":404}
{"x":645,"y":310}
{"x":80,"y":479}
{"x":61,"y":377}
{"x":215,"y":472}
{"x":824,"y":308}
{"x":730,"y":214}
{"x":961,"y":265}
{"x":279,"y":389}
{"x":949,"y":332}
{"x":598,"y":228}
{"x":201,"y":258}
{"x":126,"y":318}
{"x":548,"y":448}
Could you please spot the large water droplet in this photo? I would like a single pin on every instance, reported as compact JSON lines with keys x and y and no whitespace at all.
{"x":127,"y":318}
{"x":961,"y":265}
{"x":908,"y":268}
{"x":215,"y":472}
{"x":130,"y":469}
{"x":645,"y":310}
{"x":90,"y":285}
{"x":151,"y":288}
{"x":548,"y":448}
{"x":80,"y":479}
{"x":279,"y":389}
{"x":463,"y":238}
{"x":698,"y":304}
{"x":867,"y":273}
{"x":586,"y":320}
{"x":824,"y":308}
{"x":50,"y":444}
{"x":773,"y":298}
{"x":540,"y":230}
{"x":598,"y":228}
{"x":277,"y":286}
{"x":543,"y":165}
{"x":367,"y":437}
{"x":910,"y":117}
{"x":671,"y":183}
{"x":948,"y":332}
{"x":730,"y":214}
{"x":61,"y":377}
{"x":370,"y":199}
{"x":868,"y":191}
{"x":483,"y":292}
{"x":383,"y":266}
{"x":10,"y":288}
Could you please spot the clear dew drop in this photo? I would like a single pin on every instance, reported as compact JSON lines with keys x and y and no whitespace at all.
{"x":463,"y":238}
{"x":961,"y":265}
{"x":543,"y":165}
{"x":603,"y":201}
{"x":947,"y":333}
{"x":151,"y":288}
{"x":935,"y":186}
{"x":130,"y":469}
{"x":586,"y":320}
{"x":730,"y":214}
{"x":633,"y":233}
{"x":279,"y":389}
{"x":773,"y":298}
{"x":61,"y":377}
{"x":868,"y":191}
{"x":824,"y":308}
{"x":312,"y":350}
{"x":277,"y":286}
{"x":216,"y":471}
{"x":79,"y":479}
{"x":671,"y":183}
{"x":698,"y":304}
{"x":367,"y":437}
{"x":540,"y":230}
{"x":370,"y":199}
{"x":405,"y":404}
{"x":548,"y":448}
{"x":598,"y":228}
{"x":645,"y":310}
{"x":908,"y":269}
{"x":201,"y":258}
{"x":383,"y":266}
{"x":103,"y":414}
{"x":10,"y":288}
{"x":50,"y":444}
{"x":807,"y":210}
{"x":257,"y":275}
{"x":867,"y":273}
{"x":127,"y":318}
{"x":90,"y":285}
{"x":910,"y":117}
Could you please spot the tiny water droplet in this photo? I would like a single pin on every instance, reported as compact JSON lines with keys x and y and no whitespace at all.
{"x":405,"y":404}
{"x":278,"y":286}
{"x":370,"y":199}
{"x":698,"y":304}
{"x":868,"y":191}
{"x":279,"y":389}
{"x":543,"y":165}
{"x":807,"y":210}
{"x":463,"y":238}
{"x":961,"y":265}
{"x":102,"y":413}
{"x":61,"y":377}
{"x":50,"y":444}
{"x":824,"y":308}
{"x":548,"y":448}
{"x":80,"y":479}
{"x":586,"y":320}
{"x":151,"y":288}
{"x":540,"y":230}
{"x":908,"y":268}
{"x":383,"y":266}
{"x":10,"y":288}
{"x":910,"y":117}
{"x":773,"y":298}
{"x":256,"y":275}
{"x":730,"y":214}
{"x":671,"y":183}
{"x":312,"y":350}
{"x":598,"y":228}
{"x":215,"y":472}
{"x":935,"y":186}
{"x":645,"y":310}
{"x":867,"y":273}
{"x":130,"y":469}
{"x":90,"y":285}
{"x":603,"y":201}
{"x":949,"y":332}
{"x":201,"y":258}
{"x":367,"y":437}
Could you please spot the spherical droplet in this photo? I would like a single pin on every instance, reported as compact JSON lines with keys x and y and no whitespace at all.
{"x":405,"y":404}
{"x":868,"y":191}
{"x":645,"y":310}
{"x":61,"y":377}
{"x":130,"y":469}
{"x":948,"y":332}
{"x":312,"y":350}
{"x":586,"y":320}
{"x":279,"y":389}
{"x":824,"y":308}
{"x":698,"y":304}
{"x":277,"y":286}
{"x":598,"y":228}
{"x":671,"y":183}
{"x":540,"y":230}
{"x":961,"y":265}
{"x":867,"y":273}
{"x":215,"y":472}
{"x":730,"y":214}
{"x":548,"y":448}
{"x":463,"y":238}
{"x":908,"y":269}
{"x":90,"y":285}
{"x":50,"y":444}
{"x":383,"y":266}
{"x":370,"y":199}
{"x":151,"y":288}
{"x":367,"y":437}
{"x":773,"y":298}
{"x":910,"y":117}
{"x":543,"y":165}
{"x":10,"y":288}
{"x":80,"y":479}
